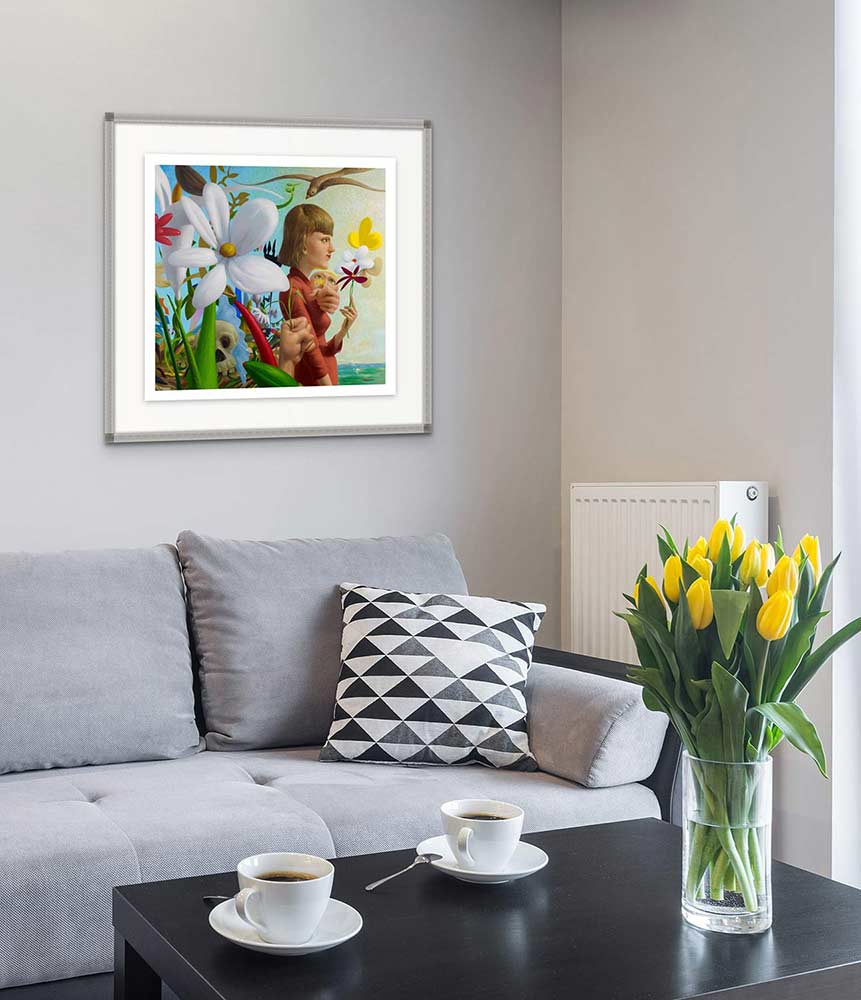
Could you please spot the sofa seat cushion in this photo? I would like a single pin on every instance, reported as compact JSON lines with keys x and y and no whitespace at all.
{"x":266,"y":618}
{"x":66,"y":839}
{"x":95,"y":659}
{"x":369,"y":808}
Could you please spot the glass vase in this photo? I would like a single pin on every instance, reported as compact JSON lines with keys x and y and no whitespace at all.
{"x":726,"y":855}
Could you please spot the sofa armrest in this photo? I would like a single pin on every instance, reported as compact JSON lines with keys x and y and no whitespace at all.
{"x":591,"y":729}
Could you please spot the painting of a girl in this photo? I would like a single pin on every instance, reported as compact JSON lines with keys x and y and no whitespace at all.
{"x":307,"y":246}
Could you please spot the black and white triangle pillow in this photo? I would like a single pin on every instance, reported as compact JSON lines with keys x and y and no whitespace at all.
{"x":433,"y":679}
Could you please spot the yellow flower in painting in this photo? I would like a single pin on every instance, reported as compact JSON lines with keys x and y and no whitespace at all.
{"x":774,"y":617}
{"x":766,"y":565}
{"x":702,"y":565}
{"x":699,"y":548}
{"x":653,"y":584}
{"x":738,"y":540}
{"x":365,"y":236}
{"x":722,"y":530}
{"x":672,"y":578}
{"x":700,"y":604}
{"x":809,"y":545}
{"x":160,"y":277}
{"x":784,"y":577}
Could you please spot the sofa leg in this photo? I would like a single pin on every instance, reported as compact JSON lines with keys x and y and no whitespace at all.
{"x":133,"y":978}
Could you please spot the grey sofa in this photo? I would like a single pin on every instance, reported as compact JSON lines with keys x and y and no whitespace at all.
{"x":197,"y":744}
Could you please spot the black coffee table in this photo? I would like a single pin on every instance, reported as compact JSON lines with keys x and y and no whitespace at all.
{"x":601,"y":921}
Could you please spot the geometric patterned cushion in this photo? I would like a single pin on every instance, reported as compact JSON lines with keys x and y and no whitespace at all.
{"x":433,"y":679}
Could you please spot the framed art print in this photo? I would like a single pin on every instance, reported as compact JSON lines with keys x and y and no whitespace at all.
{"x":266,"y":279}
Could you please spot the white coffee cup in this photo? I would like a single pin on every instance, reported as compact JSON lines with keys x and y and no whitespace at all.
{"x":483,"y":844}
{"x":283,"y":912}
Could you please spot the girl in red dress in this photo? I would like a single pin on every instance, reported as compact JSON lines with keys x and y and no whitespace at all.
{"x":307,"y":246}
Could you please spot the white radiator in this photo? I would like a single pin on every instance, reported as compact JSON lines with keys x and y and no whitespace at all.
{"x":613,"y":528}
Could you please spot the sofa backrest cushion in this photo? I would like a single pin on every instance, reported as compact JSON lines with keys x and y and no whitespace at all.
{"x":95,"y":664}
{"x":266,"y":618}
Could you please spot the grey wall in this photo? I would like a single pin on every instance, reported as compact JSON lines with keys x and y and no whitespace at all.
{"x":487,"y":74}
{"x":697,"y":250}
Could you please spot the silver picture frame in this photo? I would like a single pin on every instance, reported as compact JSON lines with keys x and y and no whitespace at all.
{"x":111,"y":434}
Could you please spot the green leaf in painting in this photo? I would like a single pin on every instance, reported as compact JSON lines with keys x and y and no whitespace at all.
{"x":797,"y":728}
{"x":729,"y":609}
{"x":213,"y":174}
{"x":204,"y":353}
{"x":268,"y":376}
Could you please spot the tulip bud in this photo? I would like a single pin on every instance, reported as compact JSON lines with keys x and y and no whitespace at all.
{"x":722,"y":530}
{"x":653,"y":584}
{"x":774,"y":616}
{"x":700,"y":604}
{"x":749,"y":569}
{"x":766,"y":565}
{"x":810,"y":546}
{"x":702,"y":565}
{"x":737,"y":544}
{"x":699,"y":548}
{"x":784,"y":577}
{"x":672,"y":578}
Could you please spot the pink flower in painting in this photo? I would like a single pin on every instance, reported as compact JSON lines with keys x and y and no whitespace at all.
{"x":164,"y":232}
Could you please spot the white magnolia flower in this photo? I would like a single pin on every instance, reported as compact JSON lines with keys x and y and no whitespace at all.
{"x":360,"y":259}
{"x":232,"y":242}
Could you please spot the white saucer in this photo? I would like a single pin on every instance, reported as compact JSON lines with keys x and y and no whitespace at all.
{"x":340,"y":922}
{"x":526,"y":860}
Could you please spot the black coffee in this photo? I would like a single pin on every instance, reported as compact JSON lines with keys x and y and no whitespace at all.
{"x":481,"y":816}
{"x":286,"y":877}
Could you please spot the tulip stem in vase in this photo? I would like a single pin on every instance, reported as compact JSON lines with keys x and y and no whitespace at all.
{"x":726,"y":665}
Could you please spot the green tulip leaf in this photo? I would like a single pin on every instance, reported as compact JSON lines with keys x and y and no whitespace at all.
{"x":811,"y":663}
{"x":732,"y":697}
{"x":650,"y":605}
{"x":817,"y":602}
{"x":806,"y":586}
{"x":799,"y":642}
{"x":797,"y":728}
{"x":664,"y":550}
{"x":729,"y":609}
{"x":722,"y":576}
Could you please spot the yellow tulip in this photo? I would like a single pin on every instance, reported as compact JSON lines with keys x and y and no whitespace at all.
{"x":737,"y":545}
{"x":722,"y":530}
{"x":699,"y":548}
{"x":774,"y":616}
{"x":702,"y":565}
{"x":672,"y":578}
{"x":784,"y":577}
{"x":810,"y":546}
{"x":749,"y":569}
{"x":766,"y":565}
{"x":700,"y":604}
{"x":653,"y":584}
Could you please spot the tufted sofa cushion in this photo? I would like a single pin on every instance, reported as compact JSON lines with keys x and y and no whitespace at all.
{"x":66,"y":838}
